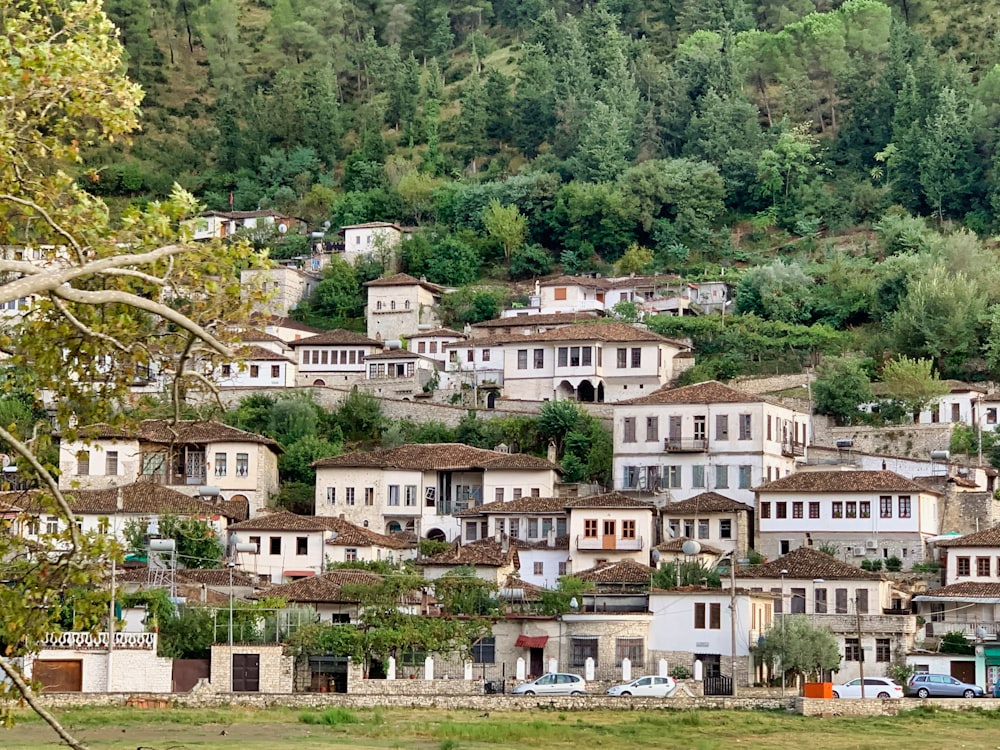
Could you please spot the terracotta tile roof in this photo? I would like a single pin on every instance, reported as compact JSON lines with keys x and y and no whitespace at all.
{"x":709,"y":392}
{"x":598,"y":331}
{"x":437,"y":332}
{"x":485,"y":552}
{"x":189,"y":431}
{"x":520,"y":505}
{"x":336,"y":337}
{"x":279,"y":321}
{"x":283,"y":521}
{"x":530,"y":592}
{"x":986,"y":538}
{"x":259,"y":353}
{"x":255,"y":334}
{"x":543,"y":319}
{"x":214,"y":577}
{"x":438,"y":456}
{"x":966,"y":590}
{"x":322,"y":588}
{"x":404,"y":279}
{"x":844,"y":481}
{"x":609,"y":500}
{"x":373,"y":225}
{"x":706,"y":502}
{"x":620,"y":571}
{"x":677,"y":546}
{"x":396,"y":354}
{"x":941,"y":481}
{"x":807,"y":563}
{"x":137,"y":498}
{"x":590,"y":282}
{"x":352,"y":535}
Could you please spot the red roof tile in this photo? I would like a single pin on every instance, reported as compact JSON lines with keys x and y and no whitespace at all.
{"x":710,"y":392}
{"x":706,"y":502}
{"x":807,"y":563}
{"x":437,"y":456}
{"x":844,"y":481}
{"x":986,"y":538}
{"x":619,"y":572}
{"x":336,"y":337}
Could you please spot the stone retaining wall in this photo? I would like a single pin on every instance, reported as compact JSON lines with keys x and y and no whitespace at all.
{"x":887,"y":707}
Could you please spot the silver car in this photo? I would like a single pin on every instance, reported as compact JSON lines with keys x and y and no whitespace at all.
{"x":927,"y":685}
{"x":553,"y":683}
{"x":649,"y":687}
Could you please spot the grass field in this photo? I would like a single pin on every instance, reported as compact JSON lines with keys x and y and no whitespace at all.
{"x":338,"y":728}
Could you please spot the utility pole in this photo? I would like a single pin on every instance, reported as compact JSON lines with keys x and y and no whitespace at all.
{"x":732,"y":613}
{"x":861,"y":651}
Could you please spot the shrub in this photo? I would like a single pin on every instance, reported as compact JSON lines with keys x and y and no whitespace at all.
{"x":680,"y":672}
{"x":330,"y":717}
{"x":894,"y":564}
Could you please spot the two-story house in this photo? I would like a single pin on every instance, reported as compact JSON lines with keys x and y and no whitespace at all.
{"x":477,"y":361}
{"x":277,"y":290}
{"x":257,"y":366}
{"x":401,"y":305}
{"x":869,"y":618}
{"x":710,"y":519}
{"x":862,"y":513}
{"x":683,"y":441}
{"x":432,"y":343}
{"x":378,"y":238}
{"x":398,"y":373}
{"x":334,"y":357}
{"x":191,"y":457}
{"x":420,"y":488}
{"x":610,"y":527}
{"x":593,"y":362}
{"x":524,"y":325}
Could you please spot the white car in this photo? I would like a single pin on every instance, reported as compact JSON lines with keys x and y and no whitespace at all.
{"x":646,"y":687}
{"x":553,"y":683}
{"x":875,"y":687}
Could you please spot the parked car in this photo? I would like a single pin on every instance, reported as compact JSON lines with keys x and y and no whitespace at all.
{"x":875,"y":687}
{"x":928,"y":685}
{"x":648,"y":687}
{"x":553,"y":683}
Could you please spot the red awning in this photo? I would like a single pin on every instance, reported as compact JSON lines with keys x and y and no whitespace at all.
{"x":531,"y":641}
{"x":298,"y":573}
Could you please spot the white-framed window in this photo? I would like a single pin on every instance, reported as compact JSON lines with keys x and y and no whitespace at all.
{"x":242,"y":464}
{"x":220,"y":464}
{"x":410,"y":495}
{"x":393,"y":494}
{"x":349,"y":496}
{"x":111,"y":463}
{"x":331,"y":495}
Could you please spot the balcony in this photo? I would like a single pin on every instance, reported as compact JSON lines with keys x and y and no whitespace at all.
{"x":694,"y":445}
{"x":793,"y":448}
{"x":611,"y":544}
{"x":83,"y":641}
{"x":973,"y":631}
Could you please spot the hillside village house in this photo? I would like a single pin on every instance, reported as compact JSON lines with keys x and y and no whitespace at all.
{"x":608,"y":528}
{"x":277,"y":290}
{"x":489,"y":559}
{"x":524,"y":325}
{"x":334,"y":357}
{"x":711,"y":519}
{"x":371,"y":238}
{"x":401,"y":305}
{"x":419,"y":488}
{"x":257,"y":367}
{"x":862,"y":513}
{"x":477,"y":361}
{"x":837,"y":595}
{"x":680,"y":442}
{"x":286,"y":329}
{"x":187,"y":456}
{"x":398,"y":373}
{"x":593,"y":362}
{"x":432,"y":343}
{"x":223,"y":224}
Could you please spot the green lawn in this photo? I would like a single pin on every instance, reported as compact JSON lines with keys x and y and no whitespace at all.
{"x":432,"y":729}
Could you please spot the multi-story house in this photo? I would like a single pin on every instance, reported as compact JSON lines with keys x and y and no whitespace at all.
{"x":257,"y":367}
{"x":398,"y":373}
{"x":869,"y":617}
{"x":683,"y":441}
{"x":378,"y":238}
{"x":524,"y":325}
{"x":333,"y":357}
{"x":192,"y":457}
{"x":610,"y":527}
{"x":489,"y":559}
{"x":432,"y":343}
{"x":222,"y":224}
{"x":420,"y":488}
{"x":278,"y":290}
{"x":593,"y":362}
{"x":862,"y":513}
{"x":477,"y":361}
{"x":401,"y":305}
{"x":710,"y":519}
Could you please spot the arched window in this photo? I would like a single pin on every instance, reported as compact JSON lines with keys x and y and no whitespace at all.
{"x":392,"y":305}
{"x":406,"y":304}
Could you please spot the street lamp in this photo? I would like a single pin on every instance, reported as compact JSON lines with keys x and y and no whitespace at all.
{"x":784,"y":572}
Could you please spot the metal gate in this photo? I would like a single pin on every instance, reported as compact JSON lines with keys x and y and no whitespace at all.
{"x":718,"y":685}
{"x":246,"y":673}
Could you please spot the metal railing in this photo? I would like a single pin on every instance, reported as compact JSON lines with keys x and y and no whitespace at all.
{"x":598,"y":543}
{"x":692,"y":445}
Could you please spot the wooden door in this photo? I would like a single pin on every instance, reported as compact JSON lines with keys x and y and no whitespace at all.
{"x":246,"y":673}
{"x":59,"y":676}
{"x":609,"y":537}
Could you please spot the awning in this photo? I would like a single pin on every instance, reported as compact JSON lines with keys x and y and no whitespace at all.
{"x":531,"y":641}
{"x":298,"y":573}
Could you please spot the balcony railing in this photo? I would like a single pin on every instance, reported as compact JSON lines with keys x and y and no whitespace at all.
{"x":973,"y":631}
{"x":693,"y":445}
{"x":82,"y":641}
{"x":594,"y":543}
{"x":793,"y":448}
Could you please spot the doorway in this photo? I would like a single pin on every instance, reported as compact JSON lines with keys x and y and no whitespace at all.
{"x":536,"y":661}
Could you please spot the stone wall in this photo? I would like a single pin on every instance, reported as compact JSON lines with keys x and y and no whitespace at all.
{"x":888,"y":707}
{"x":910,"y":440}
{"x":277,"y":671}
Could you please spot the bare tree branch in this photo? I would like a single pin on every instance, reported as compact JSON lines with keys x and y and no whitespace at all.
{"x":85,"y":330}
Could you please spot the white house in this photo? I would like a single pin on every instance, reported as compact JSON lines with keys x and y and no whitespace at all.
{"x":420,"y":488}
{"x":862,"y":513}
{"x":683,"y":441}
{"x":286,"y":329}
{"x":257,"y":367}
{"x":398,"y":373}
{"x":278,"y":290}
{"x":610,"y":527}
{"x":334,"y":595}
{"x":222,"y":224}
{"x":590,"y":362}
{"x":973,"y":557}
{"x":191,"y":457}
{"x":334,"y":357}
{"x":488,"y":559}
{"x":372,"y":238}
{"x":710,"y":519}
{"x":524,"y":325}
{"x":401,"y":305}
{"x":477,"y":361}
{"x":432,"y":343}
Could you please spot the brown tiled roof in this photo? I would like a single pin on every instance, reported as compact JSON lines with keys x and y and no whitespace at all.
{"x":438,"y":332}
{"x":336,"y":337}
{"x":599,"y":331}
{"x":286,"y":322}
{"x":396,"y":354}
{"x":986,"y":538}
{"x":807,"y":563}
{"x":591,"y":282}
{"x":677,"y":545}
{"x":942,"y":480}
{"x":214,"y":577}
{"x":967,"y":590}
{"x":437,"y":456}
{"x":260,"y":353}
{"x":709,"y":392}
{"x":322,"y":588}
{"x":532,"y":593}
{"x":138,"y":497}
{"x":544,"y":319}
{"x":283,"y":521}
{"x":844,"y":481}
{"x":706,"y":502}
{"x":162,"y":431}
{"x":372,"y":225}
{"x":255,"y":334}
{"x":404,"y":279}
{"x":609,"y":500}
{"x":352,"y":535}
{"x":487,"y":552}
{"x":525,"y":505}
{"x":621,"y":571}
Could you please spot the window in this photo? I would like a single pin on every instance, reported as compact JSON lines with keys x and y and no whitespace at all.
{"x":715,"y":616}
{"x":652,"y":429}
{"x":532,"y":528}
{"x":689,"y":528}
{"x":864,"y":509}
{"x":275,"y":371}
{"x":963,"y":566}
{"x":52,"y":525}
{"x":904,"y":506}
{"x":590,"y":528}
{"x":721,"y":427}
{"x":562,"y":356}
{"x":349,"y":496}
{"x":574,"y":356}
{"x":275,"y":545}
{"x":725,"y":528}
{"x":516,"y":492}
{"x":227,"y":371}
{"x":410,"y":495}
{"x":242,"y":464}
{"x":796,"y":510}
{"x":562,"y":568}
{"x":699,"y":616}
{"x":745,"y":422}
{"x":765,"y":510}
{"x":111,"y":463}
{"x":852,"y":649}
{"x":703,"y":532}
{"x":672,"y":476}
{"x":885,"y":506}
{"x":819,"y":601}
{"x":220,"y":464}
{"x":351,"y":554}
{"x":582,"y":649}
{"x":83,"y":463}
{"x":840,"y":596}
{"x":781,"y":510}
{"x":331,"y":495}
{"x":745,"y":477}
{"x":838,"y":509}
{"x":255,"y":541}
{"x":471,"y":531}
{"x":301,"y":545}
{"x":393,"y":494}
{"x":628,"y":529}
{"x":539,"y":568}
{"x":622,"y":358}
{"x":587,"y":359}
{"x":484,"y":650}
{"x":861,"y":600}
{"x":937,"y":612}
{"x":539,"y":359}
{"x":421,"y":347}
{"x":470,"y":355}
{"x":700,"y":428}
{"x":883,"y":649}
{"x":722,"y":477}
{"x":628,"y":429}
{"x":636,"y":357}
{"x":433,"y":348}
{"x":559,"y":293}
{"x":369,"y":495}
{"x":255,"y":370}
{"x":632,"y":649}
{"x":852,"y":509}
{"x":814,"y":510}
{"x":522,"y":359}
{"x":675,"y":527}
{"x":698,"y":477}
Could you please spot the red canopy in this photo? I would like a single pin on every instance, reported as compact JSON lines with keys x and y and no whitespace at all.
{"x":531,"y":641}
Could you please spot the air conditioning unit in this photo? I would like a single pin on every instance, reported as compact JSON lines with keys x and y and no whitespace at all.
{"x":859,"y":551}
{"x":871,"y":544}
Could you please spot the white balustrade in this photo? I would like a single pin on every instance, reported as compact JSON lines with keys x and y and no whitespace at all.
{"x":83,"y":641}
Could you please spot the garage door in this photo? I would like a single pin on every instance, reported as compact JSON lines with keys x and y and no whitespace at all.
{"x":59,"y":676}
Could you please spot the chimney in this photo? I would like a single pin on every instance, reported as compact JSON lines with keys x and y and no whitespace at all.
{"x":551,"y":453}
{"x":119,"y":500}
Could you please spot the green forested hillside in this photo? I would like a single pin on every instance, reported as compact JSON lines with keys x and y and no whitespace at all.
{"x":835,"y":160}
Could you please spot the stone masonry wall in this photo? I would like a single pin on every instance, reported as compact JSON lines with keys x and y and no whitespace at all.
{"x":910,"y":440}
{"x":276,"y":670}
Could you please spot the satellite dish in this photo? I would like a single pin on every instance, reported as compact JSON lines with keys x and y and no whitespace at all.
{"x":691,"y":548}
{"x":282,"y":228}
{"x":655,"y":555}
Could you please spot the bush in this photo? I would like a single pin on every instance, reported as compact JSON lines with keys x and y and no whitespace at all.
{"x":873,"y":565}
{"x":894,"y":564}
{"x":680,"y":672}
{"x":330,"y":717}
